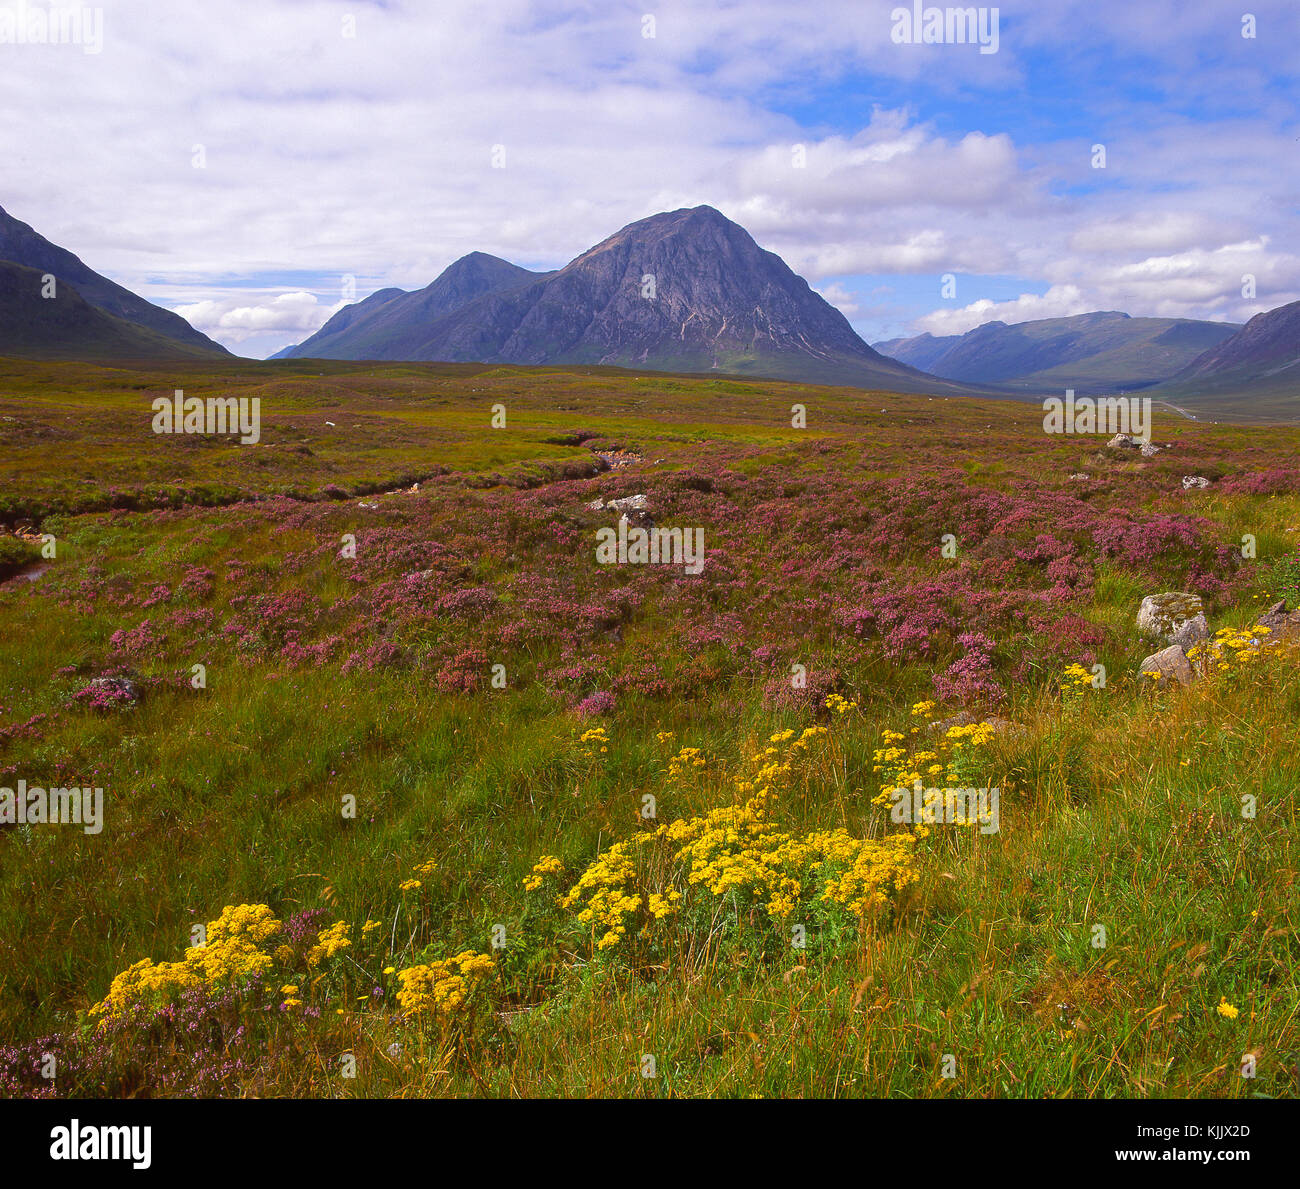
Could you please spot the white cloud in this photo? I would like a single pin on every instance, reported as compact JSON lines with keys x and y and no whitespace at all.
{"x":1061,"y":301}
{"x":231,"y":321}
{"x":328,"y":155}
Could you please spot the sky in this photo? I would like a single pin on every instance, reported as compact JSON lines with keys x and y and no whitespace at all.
{"x":256,"y":164}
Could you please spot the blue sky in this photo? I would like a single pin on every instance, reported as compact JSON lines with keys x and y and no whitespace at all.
{"x":247,"y":163}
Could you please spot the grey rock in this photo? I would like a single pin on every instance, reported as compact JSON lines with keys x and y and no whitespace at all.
{"x":1162,"y":615}
{"x":1281,"y":624}
{"x":1197,"y":482}
{"x":1170,"y":664}
{"x":1193,"y":631}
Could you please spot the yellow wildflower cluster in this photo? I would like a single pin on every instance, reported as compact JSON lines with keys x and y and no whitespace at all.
{"x":594,"y":742}
{"x":328,"y":943}
{"x":686,"y":761}
{"x":1226,"y":1010}
{"x":943,"y":763}
{"x":1231,"y":650}
{"x":1075,"y":680}
{"x":605,"y":891}
{"x":838,"y":705}
{"x":425,"y":869}
{"x":546,"y":865}
{"x":443,"y":988}
{"x":774,"y":765}
{"x":232,"y":951}
{"x":737,"y":853}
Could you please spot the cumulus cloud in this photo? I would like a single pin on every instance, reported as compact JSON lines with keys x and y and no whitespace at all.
{"x":1060,"y":301}
{"x":216,"y":159}
{"x":231,"y":320}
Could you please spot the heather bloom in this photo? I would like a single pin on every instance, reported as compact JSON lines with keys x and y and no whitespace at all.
{"x":601,"y":702}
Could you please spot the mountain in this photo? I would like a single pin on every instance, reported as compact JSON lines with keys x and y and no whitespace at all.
{"x":1105,"y":351}
{"x":21,"y":245}
{"x":66,"y":326}
{"x":391,"y":324}
{"x":684,"y":291}
{"x":1267,"y":346}
{"x":1252,"y":376}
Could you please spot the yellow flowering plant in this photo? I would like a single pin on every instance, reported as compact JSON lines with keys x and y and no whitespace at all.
{"x":733,"y":868}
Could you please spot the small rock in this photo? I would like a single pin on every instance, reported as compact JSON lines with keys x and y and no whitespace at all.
{"x":1281,"y":625}
{"x":629,"y":503}
{"x":638,"y":518}
{"x":1163,"y":614}
{"x":1170,"y":664}
{"x":1079,"y":475}
{"x":1194,"y":481}
{"x":1193,"y":631}
{"x":1122,"y":441}
{"x":1148,"y":449}
{"x":596,"y":505}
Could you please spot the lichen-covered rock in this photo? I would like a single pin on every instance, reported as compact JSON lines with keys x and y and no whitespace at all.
{"x":1162,"y":615}
{"x":1195,"y":482}
{"x":1192,"y":632}
{"x":1169,"y":664}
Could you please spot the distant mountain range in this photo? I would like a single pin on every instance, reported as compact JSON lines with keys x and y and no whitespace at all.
{"x":1253,"y":374}
{"x":67,"y":326}
{"x":1105,"y":351}
{"x":683,"y":291}
{"x":36,"y":326}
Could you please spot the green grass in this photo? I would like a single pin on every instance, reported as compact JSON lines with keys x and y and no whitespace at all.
{"x":1123,"y":812}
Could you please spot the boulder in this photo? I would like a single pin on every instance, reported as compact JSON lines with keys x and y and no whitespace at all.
{"x":638,"y":518}
{"x":1195,"y":482}
{"x":1281,"y":624}
{"x":1122,"y":441}
{"x":1170,"y":664}
{"x":634,"y":509}
{"x":1162,"y":615}
{"x":1193,"y":631}
{"x":1148,"y":449}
